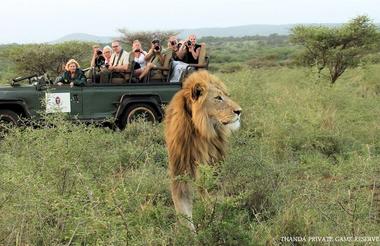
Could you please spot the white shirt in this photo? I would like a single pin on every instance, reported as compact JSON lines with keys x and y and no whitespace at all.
{"x":141,"y":59}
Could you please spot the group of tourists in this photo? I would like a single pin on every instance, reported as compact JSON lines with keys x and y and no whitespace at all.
{"x":114,"y":62}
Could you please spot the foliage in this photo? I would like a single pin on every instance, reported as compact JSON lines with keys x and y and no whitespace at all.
{"x":41,"y":58}
{"x":305,"y":163}
{"x":336,"y":48}
{"x":145,"y":37}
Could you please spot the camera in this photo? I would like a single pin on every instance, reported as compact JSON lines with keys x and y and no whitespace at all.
{"x":137,"y":50}
{"x":188,"y":43}
{"x":173,"y":43}
{"x":100,"y":61}
{"x":156,"y":44}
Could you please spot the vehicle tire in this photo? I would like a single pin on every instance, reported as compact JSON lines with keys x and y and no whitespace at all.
{"x":7,"y":117}
{"x":141,"y":111}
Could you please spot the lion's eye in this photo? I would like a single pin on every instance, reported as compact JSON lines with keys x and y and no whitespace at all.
{"x":219,"y":98}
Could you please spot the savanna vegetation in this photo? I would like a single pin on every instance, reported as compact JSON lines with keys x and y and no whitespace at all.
{"x":305,"y":163}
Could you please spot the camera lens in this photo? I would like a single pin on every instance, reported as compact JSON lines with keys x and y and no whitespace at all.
{"x":138,"y":50}
{"x":157,"y":47}
{"x":173,"y":42}
{"x":189,"y":42}
{"x":99,"y":52}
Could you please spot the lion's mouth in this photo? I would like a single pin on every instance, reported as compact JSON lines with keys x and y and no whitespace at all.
{"x":230,"y":122}
{"x":233,"y":125}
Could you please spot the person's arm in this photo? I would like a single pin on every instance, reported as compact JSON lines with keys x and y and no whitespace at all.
{"x":195,"y":53}
{"x":59,"y":79}
{"x":181,"y":52}
{"x":149,"y":55}
{"x":93,"y":60}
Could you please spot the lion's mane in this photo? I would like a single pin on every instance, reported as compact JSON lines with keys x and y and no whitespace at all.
{"x":192,"y":136}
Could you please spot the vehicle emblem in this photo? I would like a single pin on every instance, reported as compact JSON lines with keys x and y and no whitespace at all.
{"x":58,"y":100}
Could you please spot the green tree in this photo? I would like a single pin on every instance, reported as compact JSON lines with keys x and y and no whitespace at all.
{"x":42,"y":58}
{"x":145,"y":37}
{"x":336,"y":48}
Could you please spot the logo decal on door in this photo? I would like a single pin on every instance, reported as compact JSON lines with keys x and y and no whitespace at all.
{"x":58,"y":102}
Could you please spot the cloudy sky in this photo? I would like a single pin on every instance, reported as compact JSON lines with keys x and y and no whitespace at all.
{"x":24,"y":21}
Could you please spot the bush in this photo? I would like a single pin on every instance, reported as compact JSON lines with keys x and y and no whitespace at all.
{"x":305,"y":163}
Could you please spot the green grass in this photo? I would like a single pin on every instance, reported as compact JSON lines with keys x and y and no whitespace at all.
{"x":303,"y":164}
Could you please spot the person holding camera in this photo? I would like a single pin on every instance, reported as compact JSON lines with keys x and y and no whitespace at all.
{"x":73,"y":75}
{"x":100,"y":57}
{"x":191,"y":50}
{"x":175,"y":48}
{"x":100,"y":61}
{"x":138,"y":55}
{"x":96,"y":53}
{"x":154,"y":58}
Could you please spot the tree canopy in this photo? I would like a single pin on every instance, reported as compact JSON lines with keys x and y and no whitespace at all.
{"x":145,"y":37}
{"x":336,"y":48}
{"x":42,"y":58}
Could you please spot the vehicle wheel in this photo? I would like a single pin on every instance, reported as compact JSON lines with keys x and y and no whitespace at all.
{"x":7,"y":118}
{"x":138,"y":112}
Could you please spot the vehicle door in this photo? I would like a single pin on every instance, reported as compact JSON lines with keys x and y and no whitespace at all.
{"x":101,"y":101}
{"x":66,"y":100}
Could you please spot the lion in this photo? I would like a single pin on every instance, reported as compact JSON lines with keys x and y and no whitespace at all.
{"x":198,"y":121}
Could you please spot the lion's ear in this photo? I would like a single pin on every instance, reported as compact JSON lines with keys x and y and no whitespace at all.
{"x":197,"y":91}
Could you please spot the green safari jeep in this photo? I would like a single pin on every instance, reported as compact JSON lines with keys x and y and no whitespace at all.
{"x":89,"y":103}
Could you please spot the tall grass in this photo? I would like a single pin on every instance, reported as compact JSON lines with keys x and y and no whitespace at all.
{"x":305,"y":163}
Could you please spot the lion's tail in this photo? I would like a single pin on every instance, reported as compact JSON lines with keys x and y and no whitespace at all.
{"x":183,"y":201}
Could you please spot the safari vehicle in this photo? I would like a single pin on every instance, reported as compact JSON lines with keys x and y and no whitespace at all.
{"x":120,"y":99}
{"x":89,"y":103}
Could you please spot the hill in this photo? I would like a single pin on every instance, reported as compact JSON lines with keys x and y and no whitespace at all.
{"x":233,"y":31}
{"x":238,"y":31}
{"x":82,"y":37}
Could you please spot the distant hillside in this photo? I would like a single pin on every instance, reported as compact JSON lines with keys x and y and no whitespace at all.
{"x":83,"y":37}
{"x":234,"y":31}
{"x":238,"y":31}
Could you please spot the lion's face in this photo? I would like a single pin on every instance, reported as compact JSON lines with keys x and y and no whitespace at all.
{"x":221,"y":109}
{"x":210,"y":104}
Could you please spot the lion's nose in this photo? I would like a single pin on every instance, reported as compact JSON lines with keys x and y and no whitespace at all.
{"x":237,"y":111}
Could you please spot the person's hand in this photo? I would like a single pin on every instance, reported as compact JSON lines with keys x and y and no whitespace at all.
{"x":72,"y":84}
{"x":60,"y":83}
